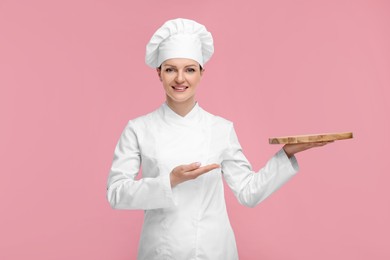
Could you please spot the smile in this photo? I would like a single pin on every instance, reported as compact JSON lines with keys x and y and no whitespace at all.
{"x":180,"y":88}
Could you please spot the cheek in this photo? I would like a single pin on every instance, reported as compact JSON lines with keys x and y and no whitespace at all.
{"x":166,"y":85}
{"x":165,"y":80}
{"x":195,"y":80}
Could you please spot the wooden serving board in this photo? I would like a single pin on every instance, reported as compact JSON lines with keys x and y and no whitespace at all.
{"x":312,"y":138}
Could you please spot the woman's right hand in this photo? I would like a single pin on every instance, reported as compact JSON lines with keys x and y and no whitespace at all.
{"x":188,"y":172}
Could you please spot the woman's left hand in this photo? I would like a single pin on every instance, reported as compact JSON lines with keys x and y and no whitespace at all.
{"x":291,"y":149}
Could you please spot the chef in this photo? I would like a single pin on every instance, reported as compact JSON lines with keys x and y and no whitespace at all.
{"x":185,"y":152}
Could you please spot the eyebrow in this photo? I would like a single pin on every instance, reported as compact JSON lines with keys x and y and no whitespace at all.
{"x":192,"y":65}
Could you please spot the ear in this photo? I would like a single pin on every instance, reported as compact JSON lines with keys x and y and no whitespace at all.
{"x":159,"y":73}
{"x":201,"y":72}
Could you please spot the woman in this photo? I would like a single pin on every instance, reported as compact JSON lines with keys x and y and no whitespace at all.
{"x":184,"y":153}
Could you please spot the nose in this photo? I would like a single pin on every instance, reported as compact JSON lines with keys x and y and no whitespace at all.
{"x":180,"y":77}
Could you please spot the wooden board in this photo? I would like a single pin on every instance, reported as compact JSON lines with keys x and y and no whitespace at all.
{"x":294,"y":139}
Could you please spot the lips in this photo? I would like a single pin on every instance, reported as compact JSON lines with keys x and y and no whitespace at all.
{"x":179,"y":88}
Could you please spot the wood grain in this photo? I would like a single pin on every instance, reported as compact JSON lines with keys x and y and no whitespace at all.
{"x":312,"y":138}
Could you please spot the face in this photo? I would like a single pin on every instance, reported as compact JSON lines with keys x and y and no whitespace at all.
{"x":180,"y":77}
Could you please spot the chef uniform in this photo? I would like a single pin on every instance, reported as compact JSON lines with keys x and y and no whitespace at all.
{"x":188,"y":221}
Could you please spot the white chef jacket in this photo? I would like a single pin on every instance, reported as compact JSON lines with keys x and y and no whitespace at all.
{"x":188,"y":221}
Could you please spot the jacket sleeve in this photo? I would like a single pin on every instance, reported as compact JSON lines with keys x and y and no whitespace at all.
{"x":249,"y":187}
{"x":123,"y":191}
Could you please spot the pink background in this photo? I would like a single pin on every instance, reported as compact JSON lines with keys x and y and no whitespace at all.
{"x":72,"y":74}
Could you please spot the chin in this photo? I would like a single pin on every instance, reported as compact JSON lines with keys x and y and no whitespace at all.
{"x":180,"y":100}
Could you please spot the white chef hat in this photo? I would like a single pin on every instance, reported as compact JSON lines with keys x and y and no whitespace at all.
{"x":179,"y":38}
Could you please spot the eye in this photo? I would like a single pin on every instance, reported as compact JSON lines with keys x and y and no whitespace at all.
{"x":168,"y":70}
{"x":191,"y":70}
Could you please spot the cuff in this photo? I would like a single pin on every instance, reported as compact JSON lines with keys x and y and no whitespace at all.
{"x":292,"y":161}
{"x":166,"y":182}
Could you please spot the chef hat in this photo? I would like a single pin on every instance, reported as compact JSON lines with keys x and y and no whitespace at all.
{"x":179,"y":38}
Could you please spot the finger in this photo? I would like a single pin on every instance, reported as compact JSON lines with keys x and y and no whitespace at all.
{"x":203,"y":170}
{"x":188,"y":167}
{"x":319,"y":144}
{"x":212,"y":166}
{"x":325,"y":143}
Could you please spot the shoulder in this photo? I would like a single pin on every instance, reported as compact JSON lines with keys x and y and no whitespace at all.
{"x":143,"y":121}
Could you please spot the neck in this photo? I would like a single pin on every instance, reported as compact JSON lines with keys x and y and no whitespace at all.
{"x":181,"y":108}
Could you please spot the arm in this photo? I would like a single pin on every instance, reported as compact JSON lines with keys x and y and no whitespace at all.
{"x":123,"y":191}
{"x":249,"y":187}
